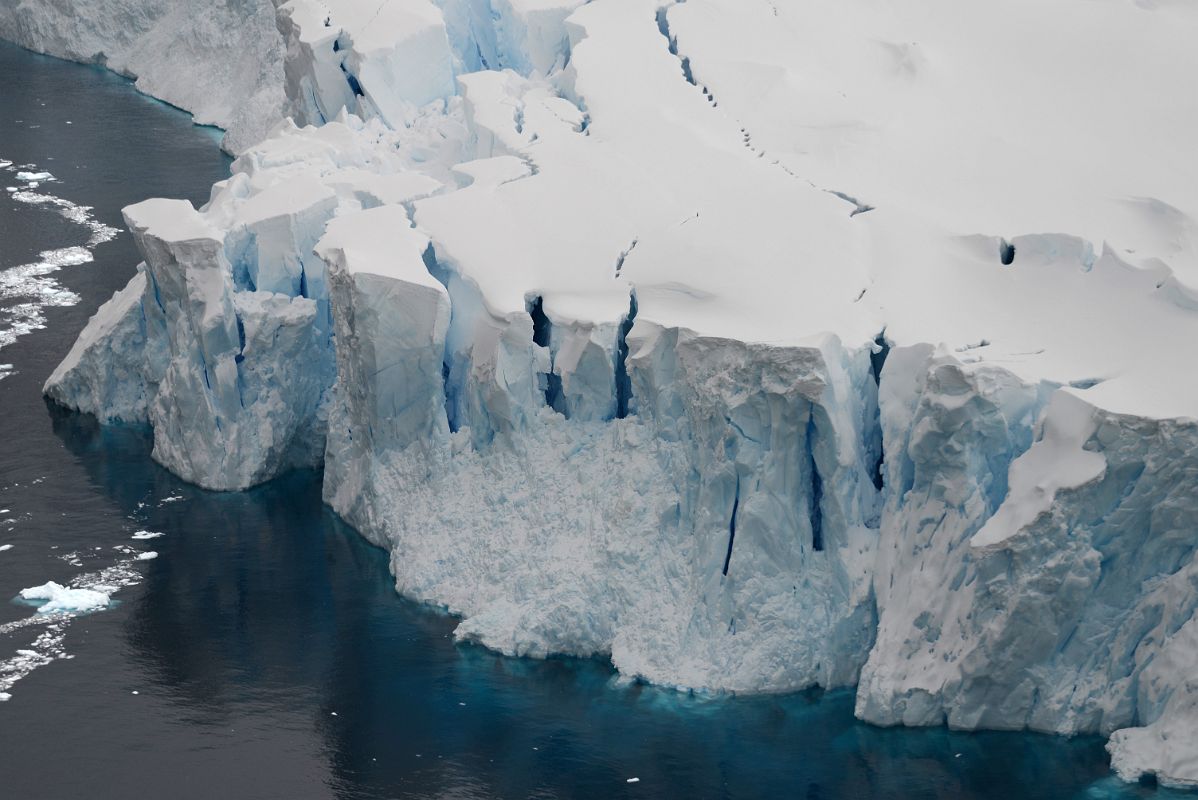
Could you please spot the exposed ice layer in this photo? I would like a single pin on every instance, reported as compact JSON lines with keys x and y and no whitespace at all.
{"x":390,"y":59}
{"x":241,"y":389}
{"x":1163,"y":745}
{"x":612,"y":360}
{"x":950,"y":434}
{"x":222,"y":61}
{"x":633,"y":519}
{"x":373,"y":59}
{"x":110,"y":371}
{"x":1070,"y":609}
{"x":391,"y":318}
{"x":774,"y":510}
{"x":530,"y":35}
{"x":223,"y":340}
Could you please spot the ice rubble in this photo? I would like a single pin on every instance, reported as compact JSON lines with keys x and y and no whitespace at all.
{"x":758,"y":345}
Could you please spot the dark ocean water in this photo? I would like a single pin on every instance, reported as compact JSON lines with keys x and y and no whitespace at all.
{"x":264,"y":653}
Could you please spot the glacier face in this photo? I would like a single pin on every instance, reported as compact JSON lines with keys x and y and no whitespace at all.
{"x":753,"y":352}
{"x":221,"y":61}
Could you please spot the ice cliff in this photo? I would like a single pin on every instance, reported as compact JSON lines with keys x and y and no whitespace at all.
{"x":222,"y":61}
{"x":758,"y":345}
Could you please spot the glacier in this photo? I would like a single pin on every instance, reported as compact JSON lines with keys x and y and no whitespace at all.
{"x":754,"y":346}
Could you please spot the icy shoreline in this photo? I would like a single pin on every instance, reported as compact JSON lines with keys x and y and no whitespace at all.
{"x":220,"y":62}
{"x":610,"y":366}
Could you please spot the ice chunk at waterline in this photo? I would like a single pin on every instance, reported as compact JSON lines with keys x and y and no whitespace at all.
{"x":52,"y":597}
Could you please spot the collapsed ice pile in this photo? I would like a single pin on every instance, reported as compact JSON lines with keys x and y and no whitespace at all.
{"x":757,"y":345}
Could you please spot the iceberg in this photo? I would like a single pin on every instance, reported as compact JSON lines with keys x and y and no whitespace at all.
{"x":754,"y":347}
{"x":52,"y":597}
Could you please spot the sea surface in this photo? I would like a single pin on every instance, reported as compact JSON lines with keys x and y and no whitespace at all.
{"x":262,"y":652}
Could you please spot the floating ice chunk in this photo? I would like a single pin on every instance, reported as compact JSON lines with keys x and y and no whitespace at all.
{"x":149,"y":555}
{"x":31,"y":177}
{"x":147,"y":535}
{"x":60,"y":598}
{"x":633,"y":780}
{"x":4,"y":547}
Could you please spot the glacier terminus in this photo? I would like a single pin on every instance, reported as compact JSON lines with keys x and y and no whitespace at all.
{"x":753,"y":344}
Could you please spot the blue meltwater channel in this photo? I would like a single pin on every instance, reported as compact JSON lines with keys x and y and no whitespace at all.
{"x":262,"y":652}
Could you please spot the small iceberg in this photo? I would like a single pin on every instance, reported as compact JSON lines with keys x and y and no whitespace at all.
{"x":59,"y":598}
{"x":147,"y":535}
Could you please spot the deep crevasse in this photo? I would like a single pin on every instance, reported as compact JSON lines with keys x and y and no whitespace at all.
{"x":1029,"y":558}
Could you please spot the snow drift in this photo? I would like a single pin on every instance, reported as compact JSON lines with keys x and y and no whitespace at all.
{"x":756,"y":345}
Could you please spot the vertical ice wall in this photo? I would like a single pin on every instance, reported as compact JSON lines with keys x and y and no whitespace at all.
{"x":237,"y":400}
{"x":222,"y":61}
{"x":1037,"y":565}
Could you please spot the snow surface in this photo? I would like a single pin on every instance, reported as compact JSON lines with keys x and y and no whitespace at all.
{"x":755,"y":344}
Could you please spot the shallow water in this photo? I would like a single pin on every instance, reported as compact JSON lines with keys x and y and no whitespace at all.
{"x":264,"y":653}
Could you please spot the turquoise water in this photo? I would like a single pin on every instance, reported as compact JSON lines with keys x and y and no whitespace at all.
{"x":264,"y":653}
